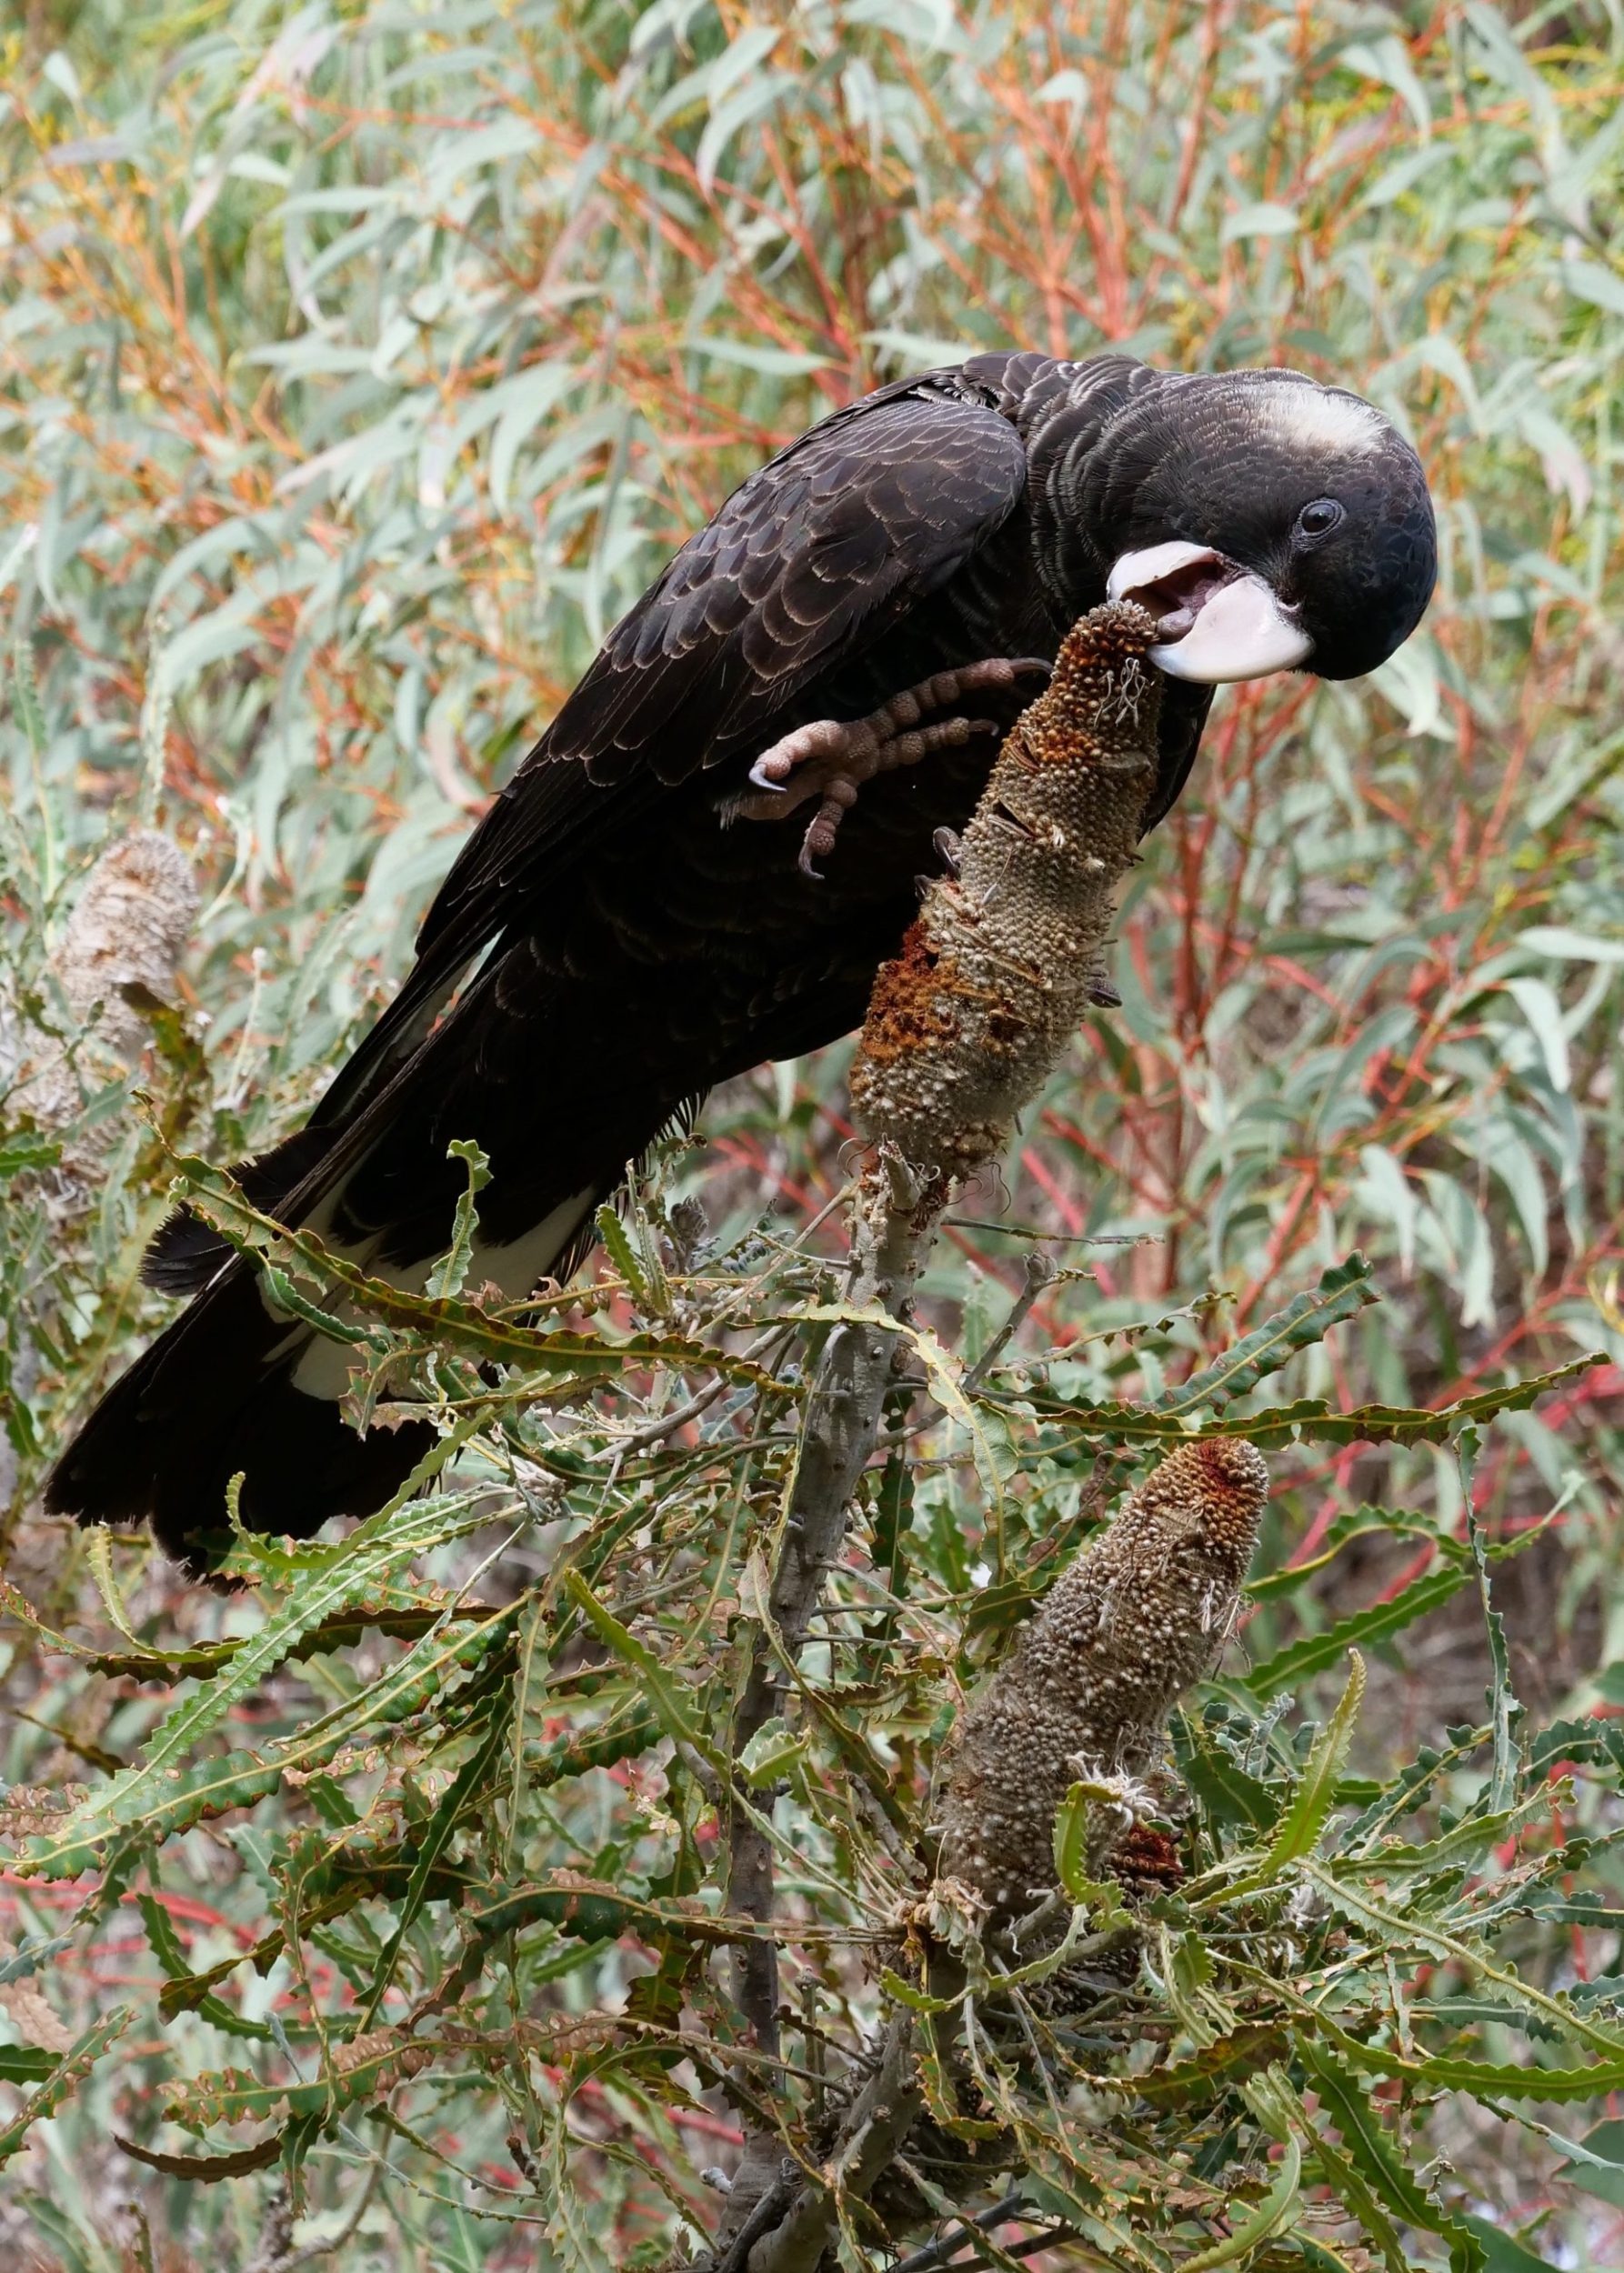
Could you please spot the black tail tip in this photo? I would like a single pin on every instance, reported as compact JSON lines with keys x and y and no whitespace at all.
{"x":212,"y":1399}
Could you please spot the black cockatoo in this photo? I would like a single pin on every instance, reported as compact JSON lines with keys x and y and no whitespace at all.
{"x":715,"y":844}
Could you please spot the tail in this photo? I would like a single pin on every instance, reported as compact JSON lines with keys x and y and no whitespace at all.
{"x":235,"y":1385}
{"x":215,"y":1397}
{"x":562,"y":1082}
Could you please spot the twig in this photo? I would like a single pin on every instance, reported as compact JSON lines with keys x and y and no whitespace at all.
{"x":276,"y":2236}
{"x":1041,"y":1272}
{"x":891,"y":1239}
{"x":937,"y":2252}
{"x":1055,"y":1239}
{"x":769,"y":2209}
{"x":880,"y":2119}
{"x":1051,"y":2239}
{"x":651,"y":1432}
{"x":315,"y":2250}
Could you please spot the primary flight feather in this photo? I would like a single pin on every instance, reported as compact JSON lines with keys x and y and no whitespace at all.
{"x":714,"y":845}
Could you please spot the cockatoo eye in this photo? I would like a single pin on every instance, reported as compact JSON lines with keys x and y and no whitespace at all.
{"x":1319,"y":519}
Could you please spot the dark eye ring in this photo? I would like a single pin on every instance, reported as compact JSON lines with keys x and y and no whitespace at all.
{"x":1320,"y":518}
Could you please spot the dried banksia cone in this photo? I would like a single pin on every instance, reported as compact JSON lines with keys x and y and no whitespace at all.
{"x":1141,"y":1613}
{"x":122,"y":943}
{"x":128,"y":931}
{"x":994,"y":975}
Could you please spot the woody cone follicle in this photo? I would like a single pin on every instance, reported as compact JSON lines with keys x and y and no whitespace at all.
{"x":994,"y":975}
{"x":1140,"y":1615}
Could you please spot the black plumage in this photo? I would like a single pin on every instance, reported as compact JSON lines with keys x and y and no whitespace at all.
{"x":615,"y":939}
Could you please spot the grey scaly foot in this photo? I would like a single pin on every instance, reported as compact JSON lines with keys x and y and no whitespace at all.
{"x":830,"y":759}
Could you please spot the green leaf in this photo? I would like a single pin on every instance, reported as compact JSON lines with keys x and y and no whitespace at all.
{"x":589,"y":1910}
{"x":1290,"y":1668}
{"x":917,"y":2000}
{"x":448,"y":1274}
{"x":1371,"y":2149}
{"x":1501,"y":2253}
{"x":1304,"y":1821}
{"x":1311,"y":1420}
{"x":1223,"y":1787}
{"x":1401,"y":1425}
{"x":1391,"y":1928}
{"x":449,"y":1324}
{"x":1482,"y":2079}
{"x":1347,"y":1529}
{"x":669,"y":1700}
{"x":1261,"y":219}
{"x":1342,"y":1293}
{"x":621,"y":1738}
{"x":1101,"y":1912}
{"x":357,"y":2072}
{"x":1595,"y":2164}
{"x":1216,"y":2068}
{"x":186,"y":1795}
{"x":25,"y":2063}
{"x":772,"y":1752}
{"x":1466,"y":1841}
{"x":69,"y":2071}
{"x":1102,"y":1897}
{"x":24,"y":687}
{"x":469,"y":1782}
{"x":1071,"y":1841}
{"x":616,"y":1245}
{"x":22,"y":1151}
{"x":172,"y":1962}
{"x":1189,"y":1975}
{"x":1271,"y":2216}
{"x":147,"y":1794}
{"x":1488,"y":2080}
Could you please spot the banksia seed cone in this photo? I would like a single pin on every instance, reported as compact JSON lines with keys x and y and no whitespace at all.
{"x":1140,"y":1615}
{"x":129,"y":930}
{"x":994,"y":975}
{"x":126,"y":934}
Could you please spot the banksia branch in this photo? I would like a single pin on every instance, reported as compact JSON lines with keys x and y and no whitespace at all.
{"x":1139,"y":1616}
{"x":964,"y":1026}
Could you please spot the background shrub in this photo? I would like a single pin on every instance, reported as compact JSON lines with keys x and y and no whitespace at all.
{"x":358,"y":365}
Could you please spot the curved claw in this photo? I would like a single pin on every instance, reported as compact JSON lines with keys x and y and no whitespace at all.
{"x":828,"y":758}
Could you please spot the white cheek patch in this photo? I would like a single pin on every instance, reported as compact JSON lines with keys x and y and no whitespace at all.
{"x":1318,"y":420}
{"x":1242,"y":633}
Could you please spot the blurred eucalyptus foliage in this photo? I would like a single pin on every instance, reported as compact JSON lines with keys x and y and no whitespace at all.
{"x":358,"y":365}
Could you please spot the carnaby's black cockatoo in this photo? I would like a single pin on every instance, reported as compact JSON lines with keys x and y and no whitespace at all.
{"x":715,"y":844}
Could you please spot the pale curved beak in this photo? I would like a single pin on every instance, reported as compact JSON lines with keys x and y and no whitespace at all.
{"x":1219,"y":622}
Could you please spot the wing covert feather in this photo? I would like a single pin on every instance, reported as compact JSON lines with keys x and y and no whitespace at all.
{"x":812,"y":558}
